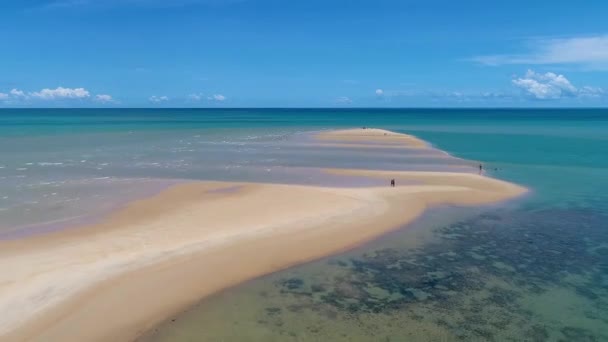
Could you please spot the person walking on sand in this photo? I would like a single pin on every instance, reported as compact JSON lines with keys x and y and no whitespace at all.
{"x":392,"y":183}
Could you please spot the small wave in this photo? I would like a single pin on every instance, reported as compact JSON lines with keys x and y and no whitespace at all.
{"x":228,"y":167}
{"x":49,"y":164}
{"x":147,"y":164}
{"x":47,"y":183}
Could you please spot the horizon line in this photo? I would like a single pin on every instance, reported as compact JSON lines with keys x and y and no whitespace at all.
{"x":297,"y":108}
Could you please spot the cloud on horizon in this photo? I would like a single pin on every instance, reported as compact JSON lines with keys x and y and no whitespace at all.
{"x":104,"y":98}
{"x":217,"y":97}
{"x":344,"y":100}
{"x":531,"y":86}
{"x":17,"y":93}
{"x":61,"y":93}
{"x":200,"y":96}
{"x":158,"y":99}
{"x":591,"y":52}
{"x":551,"y":86}
{"x":443,"y":95}
{"x":196,"y":97}
{"x":20,"y":97}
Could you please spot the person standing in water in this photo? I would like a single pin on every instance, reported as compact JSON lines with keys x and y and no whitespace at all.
{"x":392,"y":183}
{"x":480,"y":168}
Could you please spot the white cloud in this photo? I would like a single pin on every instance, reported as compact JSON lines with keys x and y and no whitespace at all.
{"x":550,"y":86}
{"x":200,"y":97}
{"x":492,"y":95}
{"x":17,"y":96}
{"x":344,"y":100}
{"x":103,"y":98}
{"x":539,"y":86}
{"x":158,"y":99}
{"x":448,"y":96}
{"x":217,"y":97}
{"x":196,"y":97}
{"x":379,"y":92}
{"x":545,"y":86}
{"x":590,"y":51}
{"x":593,"y":92}
{"x":61,"y":93}
{"x":17,"y":93}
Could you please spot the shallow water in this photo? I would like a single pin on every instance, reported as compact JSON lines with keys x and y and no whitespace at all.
{"x":491,"y":275}
{"x":534,"y":269}
{"x":62,"y":165}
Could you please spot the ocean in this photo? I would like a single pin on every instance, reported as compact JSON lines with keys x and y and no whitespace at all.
{"x":533,"y":269}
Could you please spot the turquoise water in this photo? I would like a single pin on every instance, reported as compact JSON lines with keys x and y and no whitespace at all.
{"x":566,"y":167}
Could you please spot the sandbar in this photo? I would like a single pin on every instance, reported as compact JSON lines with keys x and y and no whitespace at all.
{"x":114,"y":280}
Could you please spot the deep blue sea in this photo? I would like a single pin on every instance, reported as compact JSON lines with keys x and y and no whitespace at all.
{"x":533,"y":270}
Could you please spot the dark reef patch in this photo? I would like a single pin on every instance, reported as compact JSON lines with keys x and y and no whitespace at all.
{"x":577,"y":334}
{"x":475,"y":278}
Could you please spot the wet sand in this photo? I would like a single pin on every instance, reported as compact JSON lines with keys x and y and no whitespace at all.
{"x":116,"y":279}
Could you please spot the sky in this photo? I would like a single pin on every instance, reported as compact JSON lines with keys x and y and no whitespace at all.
{"x":303,"y":53}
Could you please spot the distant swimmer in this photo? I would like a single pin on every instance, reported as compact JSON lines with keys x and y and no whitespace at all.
{"x":392,"y":183}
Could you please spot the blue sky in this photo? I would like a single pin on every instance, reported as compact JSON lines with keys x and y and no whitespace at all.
{"x":295,"y":53}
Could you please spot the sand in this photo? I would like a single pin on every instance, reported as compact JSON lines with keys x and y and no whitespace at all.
{"x":116,"y":279}
{"x":372,"y":137}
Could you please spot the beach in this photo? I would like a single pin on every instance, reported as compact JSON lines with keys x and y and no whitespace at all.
{"x":116,"y":279}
